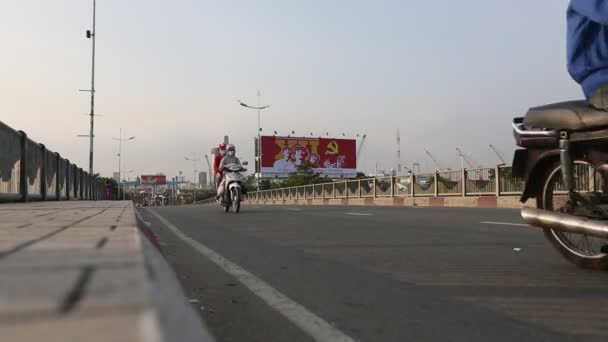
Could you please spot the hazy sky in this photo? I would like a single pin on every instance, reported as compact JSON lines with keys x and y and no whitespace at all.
{"x":169,"y":72}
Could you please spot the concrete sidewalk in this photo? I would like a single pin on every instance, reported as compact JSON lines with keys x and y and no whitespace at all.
{"x":72,"y":271}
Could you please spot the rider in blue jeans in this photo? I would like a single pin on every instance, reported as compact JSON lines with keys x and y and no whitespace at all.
{"x":588,"y":48}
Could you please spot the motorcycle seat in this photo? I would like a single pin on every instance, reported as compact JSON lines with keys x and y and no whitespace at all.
{"x":567,"y":116}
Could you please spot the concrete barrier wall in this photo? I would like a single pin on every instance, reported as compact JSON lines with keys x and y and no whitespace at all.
{"x":29,"y":171}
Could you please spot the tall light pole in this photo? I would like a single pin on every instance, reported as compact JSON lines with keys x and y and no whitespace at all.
{"x":209,"y":168}
{"x":194,"y":160}
{"x":125,"y":182}
{"x":120,"y":140}
{"x":259,"y":156}
{"x":91,"y":136}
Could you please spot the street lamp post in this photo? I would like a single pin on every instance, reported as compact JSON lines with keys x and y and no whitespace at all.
{"x":194,"y":181}
{"x":91,"y":135}
{"x":259,"y":156}
{"x":125,"y":179}
{"x":120,"y":140}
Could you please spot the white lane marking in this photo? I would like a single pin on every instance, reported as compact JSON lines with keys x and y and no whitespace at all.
{"x":506,"y":224}
{"x":294,"y":209}
{"x":359,"y":214}
{"x":313,"y":325}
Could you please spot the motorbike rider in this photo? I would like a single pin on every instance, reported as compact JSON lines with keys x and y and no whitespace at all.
{"x":216,"y":163}
{"x":588,"y":49}
{"x":229,"y":159}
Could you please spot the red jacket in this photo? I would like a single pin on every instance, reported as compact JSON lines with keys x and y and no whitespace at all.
{"x":216,"y":164}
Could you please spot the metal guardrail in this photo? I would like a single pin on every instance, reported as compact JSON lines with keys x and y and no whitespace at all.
{"x":496,"y":181}
{"x":31,"y":172}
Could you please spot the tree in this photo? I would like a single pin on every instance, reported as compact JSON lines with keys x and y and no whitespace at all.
{"x":304,"y":174}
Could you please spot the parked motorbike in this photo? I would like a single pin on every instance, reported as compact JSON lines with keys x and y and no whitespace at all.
{"x":563,"y":161}
{"x":234,"y":186}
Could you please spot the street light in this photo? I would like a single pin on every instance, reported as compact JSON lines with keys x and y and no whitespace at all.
{"x":124,"y":182}
{"x":91,"y":135}
{"x":194,"y":160}
{"x":259,"y":156}
{"x":209,"y":169}
{"x":120,"y":140}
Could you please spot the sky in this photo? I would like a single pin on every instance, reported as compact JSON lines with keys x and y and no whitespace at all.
{"x":445,"y":73}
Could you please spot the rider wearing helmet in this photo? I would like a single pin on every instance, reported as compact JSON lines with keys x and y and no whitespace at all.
{"x":588,"y":48}
{"x":216,"y":163}
{"x":229,"y":159}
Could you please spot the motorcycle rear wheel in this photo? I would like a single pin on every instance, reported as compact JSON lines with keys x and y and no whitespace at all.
{"x":580,"y":249}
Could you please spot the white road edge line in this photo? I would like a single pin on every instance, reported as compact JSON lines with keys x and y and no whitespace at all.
{"x":506,"y":224}
{"x":359,"y":214}
{"x":294,"y":209}
{"x":311,"y":324}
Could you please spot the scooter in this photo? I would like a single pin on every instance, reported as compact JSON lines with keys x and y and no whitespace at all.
{"x":234,"y":186}
{"x":563,"y":161}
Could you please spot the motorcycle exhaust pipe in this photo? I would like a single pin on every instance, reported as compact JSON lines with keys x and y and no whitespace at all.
{"x":567,"y":223}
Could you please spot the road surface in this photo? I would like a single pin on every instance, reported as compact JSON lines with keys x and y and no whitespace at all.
{"x":275,"y":273}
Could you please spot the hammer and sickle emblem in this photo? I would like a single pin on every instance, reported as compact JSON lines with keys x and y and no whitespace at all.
{"x":332,"y":148}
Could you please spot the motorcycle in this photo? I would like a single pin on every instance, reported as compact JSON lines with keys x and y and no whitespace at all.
{"x":234,"y":186}
{"x":563,"y":161}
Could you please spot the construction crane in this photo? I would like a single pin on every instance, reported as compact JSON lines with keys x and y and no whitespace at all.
{"x":361,"y":144}
{"x":498,"y":154}
{"x":465,"y":157}
{"x":433,"y":159}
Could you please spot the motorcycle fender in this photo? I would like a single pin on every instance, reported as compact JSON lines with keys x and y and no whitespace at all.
{"x":535,"y":165}
{"x":520,"y":160}
{"x":233,"y":185}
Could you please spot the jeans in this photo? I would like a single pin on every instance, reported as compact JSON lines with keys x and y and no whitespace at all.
{"x":599,"y":98}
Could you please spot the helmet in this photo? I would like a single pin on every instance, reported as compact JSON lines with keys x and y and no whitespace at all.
{"x":230,"y":150}
{"x":222,"y":148}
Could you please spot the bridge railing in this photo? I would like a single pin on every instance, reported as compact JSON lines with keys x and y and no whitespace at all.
{"x":31,"y":172}
{"x":493,"y":181}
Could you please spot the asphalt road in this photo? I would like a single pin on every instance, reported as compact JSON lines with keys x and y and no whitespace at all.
{"x":378,"y":274}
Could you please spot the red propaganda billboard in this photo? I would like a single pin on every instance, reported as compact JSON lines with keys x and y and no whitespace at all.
{"x":154,"y":180}
{"x":331,"y":157}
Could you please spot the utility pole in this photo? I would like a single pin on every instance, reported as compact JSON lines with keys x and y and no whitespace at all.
{"x":92,"y":114}
{"x":194,"y":181}
{"x":209,"y":169}
{"x":259,"y":156}
{"x":120,"y":140}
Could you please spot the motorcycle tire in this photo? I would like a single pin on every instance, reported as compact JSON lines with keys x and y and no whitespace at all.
{"x":579,"y":249}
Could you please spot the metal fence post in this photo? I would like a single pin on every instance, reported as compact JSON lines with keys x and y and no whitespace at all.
{"x":375,"y":186}
{"x":392,"y":186}
{"x":412,"y":182}
{"x":68,"y":186}
{"x":497,"y":180}
{"x":345,"y":189}
{"x":57,"y":176}
{"x":23,"y":183}
{"x":436,"y":183}
{"x":43,"y":170}
{"x":463,"y":178}
{"x":80,"y":184}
